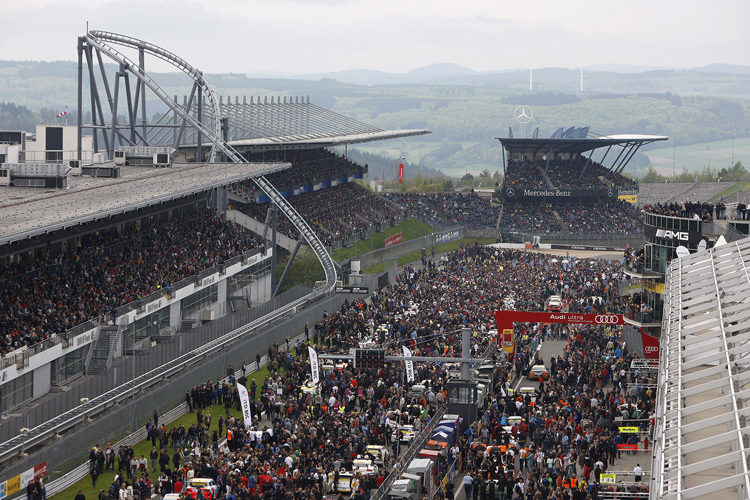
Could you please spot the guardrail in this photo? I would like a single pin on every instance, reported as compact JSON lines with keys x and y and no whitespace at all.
{"x":403,"y":461}
{"x":100,"y":404}
{"x":67,"y":480}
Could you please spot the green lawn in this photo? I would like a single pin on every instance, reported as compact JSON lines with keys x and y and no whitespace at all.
{"x":144,"y":447}
{"x":445,"y":247}
{"x":411,"y":229}
{"x":742,"y":187}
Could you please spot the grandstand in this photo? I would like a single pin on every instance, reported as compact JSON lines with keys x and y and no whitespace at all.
{"x":551,"y":188}
{"x":138,"y":249}
{"x":668,"y":192}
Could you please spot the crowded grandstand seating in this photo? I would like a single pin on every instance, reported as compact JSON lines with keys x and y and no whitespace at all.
{"x":109,"y":270}
{"x":618,"y":217}
{"x":458,"y":209}
{"x":303,"y":441}
{"x":418,"y":205}
{"x":309,"y":167}
{"x":528,"y":217}
{"x":562,"y":174}
{"x":334,"y":213}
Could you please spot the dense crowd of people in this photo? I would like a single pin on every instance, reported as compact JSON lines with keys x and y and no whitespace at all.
{"x":109,"y":269}
{"x":529,"y":217}
{"x":309,"y":167}
{"x":451,"y":208}
{"x":705,"y":211}
{"x":418,"y":205}
{"x":334,"y":213}
{"x":573,"y":174}
{"x":304,"y":440}
{"x":618,"y":217}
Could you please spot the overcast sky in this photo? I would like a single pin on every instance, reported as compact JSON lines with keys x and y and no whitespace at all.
{"x":310,"y":36}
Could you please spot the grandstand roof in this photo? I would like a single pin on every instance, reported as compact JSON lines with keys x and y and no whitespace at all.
{"x":545,"y":146}
{"x":294,"y":123}
{"x":702,"y":433}
{"x":28,"y":212}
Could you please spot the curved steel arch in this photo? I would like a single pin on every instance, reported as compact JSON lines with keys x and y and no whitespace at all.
{"x":99,"y":40}
{"x":96,"y":39}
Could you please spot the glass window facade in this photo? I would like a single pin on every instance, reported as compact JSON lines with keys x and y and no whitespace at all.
{"x":199,"y":300}
{"x":17,"y":391}
{"x":248,"y":276}
{"x":70,"y":365}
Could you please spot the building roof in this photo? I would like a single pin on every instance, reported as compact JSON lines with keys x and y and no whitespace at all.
{"x":291,"y":123}
{"x":557,"y":145}
{"x":703,"y":401}
{"x":28,"y":212}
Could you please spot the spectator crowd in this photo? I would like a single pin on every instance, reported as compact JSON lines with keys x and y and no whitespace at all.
{"x":305,"y":439}
{"x":109,"y":269}
{"x":705,"y":211}
{"x":334,"y":213}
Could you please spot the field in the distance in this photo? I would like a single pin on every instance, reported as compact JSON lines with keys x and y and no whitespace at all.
{"x":717,"y":155}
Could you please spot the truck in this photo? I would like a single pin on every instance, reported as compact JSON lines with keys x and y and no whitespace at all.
{"x":425,"y":469}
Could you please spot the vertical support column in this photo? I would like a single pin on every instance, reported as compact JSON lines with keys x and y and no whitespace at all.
{"x":465,"y":353}
{"x":79,"y":138}
{"x":275,"y":216}
{"x":225,"y":137}
{"x":199,"y":149}
{"x":142,"y":66}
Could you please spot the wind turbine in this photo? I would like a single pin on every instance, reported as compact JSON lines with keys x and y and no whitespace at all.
{"x":531,"y":73}
{"x":582,"y":61}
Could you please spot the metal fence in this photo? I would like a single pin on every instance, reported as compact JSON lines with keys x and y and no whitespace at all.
{"x":124,"y":416}
{"x":589,"y":239}
{"x":405,"y":459}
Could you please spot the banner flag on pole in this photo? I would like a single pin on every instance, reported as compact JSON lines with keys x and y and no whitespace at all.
{"x":409,"y":365}
{"x":245,"y":402}
{"x":314,"y":365}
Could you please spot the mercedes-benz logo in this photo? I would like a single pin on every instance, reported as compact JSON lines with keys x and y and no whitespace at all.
{"x":510,"y":192}
{"x":610,"y":193}
{"x":523,"y":114}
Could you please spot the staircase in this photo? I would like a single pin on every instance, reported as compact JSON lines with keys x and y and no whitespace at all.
{"x":188,"y":324}
{"x":560,"y":221}
{"x":101,"y":355}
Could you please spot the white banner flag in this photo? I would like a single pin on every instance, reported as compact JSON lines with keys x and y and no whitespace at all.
{"x":314,"y":365}
{"x":245,"y":403}
{"x":409,"y":365}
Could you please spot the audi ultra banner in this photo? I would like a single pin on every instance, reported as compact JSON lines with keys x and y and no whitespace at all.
{"x":506,"y":319}
{"x":520,"y":193}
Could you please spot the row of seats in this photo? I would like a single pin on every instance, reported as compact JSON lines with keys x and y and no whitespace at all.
{"x":110,"y":269}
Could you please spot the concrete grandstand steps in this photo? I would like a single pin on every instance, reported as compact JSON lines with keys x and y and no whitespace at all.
{"x":100,"y":358}
{"x":440,"y":213}
{"x":238,"y":303}
{"x":188,"y":324}
{"x":560,"y":221}
{"x":549,"y":182}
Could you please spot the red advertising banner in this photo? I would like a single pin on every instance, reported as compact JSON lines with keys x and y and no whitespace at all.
{"x":394,"y":240}
{"x":632,"y":447}
{"x":650,"y":345}
{"x":505,"y":320}
{"x":400,"y":173}
{"x":40,"y":470}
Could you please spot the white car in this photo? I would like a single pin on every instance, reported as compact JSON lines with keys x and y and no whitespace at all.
{"x":381,"y":454}
{"x":201,"y":483}
{"x":404,"y":433}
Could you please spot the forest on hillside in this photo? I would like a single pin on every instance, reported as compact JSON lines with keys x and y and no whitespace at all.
{"x":465,"y":117}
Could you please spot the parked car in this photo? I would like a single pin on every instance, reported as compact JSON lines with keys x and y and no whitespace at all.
{"x":538,"y":372}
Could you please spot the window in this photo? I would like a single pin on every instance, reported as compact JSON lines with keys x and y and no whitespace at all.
{"x":249,"y":276}
{"x":17,"y":391}
{"x":199,"y":300}
{"x":70,"y":365}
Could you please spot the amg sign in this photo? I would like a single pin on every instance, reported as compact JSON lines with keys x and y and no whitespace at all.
{"x":672,"y":235}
